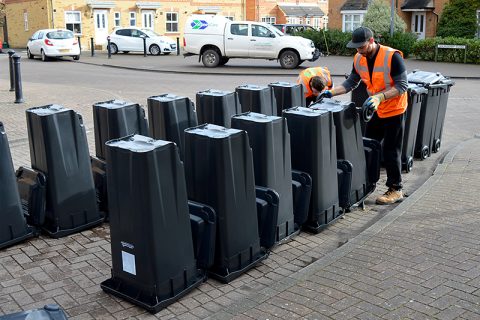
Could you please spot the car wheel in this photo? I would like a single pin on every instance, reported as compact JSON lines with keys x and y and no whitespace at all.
{"x":44,"y":56}
{"x":289,"y":59}
{"x":154,"y":50}
{"x":223,"y":60}
{"x":29,"y":54}
{"x":125,"y":52}
{"x":211,"y":58}
{"x":113,"y":48}
{"x":76,"y":58}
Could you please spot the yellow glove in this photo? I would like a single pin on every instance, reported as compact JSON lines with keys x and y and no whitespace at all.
{"x":374,"y":101}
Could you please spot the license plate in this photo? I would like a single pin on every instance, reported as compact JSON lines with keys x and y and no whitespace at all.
{"x":64,"y":50}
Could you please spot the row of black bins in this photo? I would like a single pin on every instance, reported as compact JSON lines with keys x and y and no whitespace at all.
{"x":427,"y":105}
{"x":221,"y":156}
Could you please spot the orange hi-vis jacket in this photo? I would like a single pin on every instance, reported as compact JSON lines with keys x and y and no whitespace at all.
{"x":307,"y":74}
{"x":381,"y":81}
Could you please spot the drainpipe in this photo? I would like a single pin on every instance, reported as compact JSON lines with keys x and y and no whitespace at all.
{"x":52,"y":11}
{"x":436,"y":24}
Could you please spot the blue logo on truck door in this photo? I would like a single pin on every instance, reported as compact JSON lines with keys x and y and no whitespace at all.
{"x":199,"y":24}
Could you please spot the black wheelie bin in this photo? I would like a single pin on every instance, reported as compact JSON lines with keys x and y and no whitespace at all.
{"x":13,"y":228}
{"x":153,"y":262}
{"x":169,"y":115}
{"x":270,"y":142}
{"x":219,"y":173}
{"x":112,"y":119}
{"x":217,"y":107}
{"x":416,"y":96}
{"x":287,"y":95}
{"x":259,"y":99}
{"x":359,"y":95}
{"x":349,"y":142}
{"x":314,"y":151}
{"x":59,"y":149}
{"x":433,"y":111}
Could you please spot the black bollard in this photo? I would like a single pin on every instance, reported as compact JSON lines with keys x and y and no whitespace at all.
{"x":109,"y":50}
{"x":79,"y":44}
{"x":91,"y":47}
{"x":10,"y":66}
{"x":18,"y":79}
{"x":144,"y":46}
{"x":178,"y":46}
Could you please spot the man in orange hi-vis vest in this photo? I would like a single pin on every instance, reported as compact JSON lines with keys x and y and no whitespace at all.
{"x":383,"y":71}
{"x":314,"y":81}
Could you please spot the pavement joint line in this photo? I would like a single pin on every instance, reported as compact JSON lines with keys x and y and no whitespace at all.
{"x":359,"y":240}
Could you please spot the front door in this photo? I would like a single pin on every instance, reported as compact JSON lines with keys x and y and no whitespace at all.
{"x":101,"y":26}
{"x":147,"y":19}
{"x":262,"y":42}
{"x":418,"y":24}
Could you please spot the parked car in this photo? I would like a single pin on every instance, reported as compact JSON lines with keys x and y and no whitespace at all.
{"x":48,"y":43}
{"x":290,"y":29}
{"x":131,"y":39}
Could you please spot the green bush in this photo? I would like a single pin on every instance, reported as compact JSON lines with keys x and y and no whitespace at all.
{"x":335,"y":40}
{"x":459,"y":19}
{"x":425,"y":50}
{"x":401,"y":41}
{"x":377,"y":19}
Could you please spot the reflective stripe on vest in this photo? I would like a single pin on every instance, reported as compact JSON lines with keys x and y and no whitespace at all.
{"x":380,"y":81}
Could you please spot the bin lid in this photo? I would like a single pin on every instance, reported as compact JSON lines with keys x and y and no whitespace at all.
{"x":213,"y":131}
{"x":330,"y":105}
{"x":283,"y":84}
{"x":425,"y":77}
{"x":213,"y":92}
{"x":256,"y":117}
{"x":137,"y":143}
{"x":48,"y":110}
{"x":415,"y":88}
{"x":113,"y":104}
{"x":167,"y":97}
{"x":252,"y":87}
{"x":307,"y":112}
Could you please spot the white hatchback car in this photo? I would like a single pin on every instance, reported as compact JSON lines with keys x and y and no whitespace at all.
{"x":131,"y":39}
{"x":53,"y":43}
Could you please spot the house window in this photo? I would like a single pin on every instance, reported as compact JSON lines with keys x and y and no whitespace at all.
{"x":133,"y":19}
{"x":316,"y":23}
{"x":352,"y":21}
{"x":293,"y":20}
{"x":116,"y":19}
{"x":73,"y":21}
{"x":308,"y":21}
{"x":172,"y":22}
{"x":230,"y":18}
{"x":270,"y":20}
{"x":25,"y":21}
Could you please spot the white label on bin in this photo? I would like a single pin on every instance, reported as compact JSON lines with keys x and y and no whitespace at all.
{"x":128,"y":261}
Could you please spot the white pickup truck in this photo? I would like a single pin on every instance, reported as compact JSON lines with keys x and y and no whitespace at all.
{"x":216,"y":39}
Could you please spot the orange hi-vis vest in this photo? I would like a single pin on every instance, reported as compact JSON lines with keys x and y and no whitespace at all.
{"x":307,"y":74}
{"x":381,"y":81}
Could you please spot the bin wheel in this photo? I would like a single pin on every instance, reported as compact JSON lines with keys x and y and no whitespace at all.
{"x":436,"y":146}
{"x":424,"y":153}
{"x":409,"y":165}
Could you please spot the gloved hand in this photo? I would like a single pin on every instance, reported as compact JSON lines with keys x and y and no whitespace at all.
{"x":374,"y":101}
{"x":328,"y":93}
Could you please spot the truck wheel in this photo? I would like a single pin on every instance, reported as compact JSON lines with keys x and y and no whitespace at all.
{"x":211,"y":58}
{"x":289,"y":59}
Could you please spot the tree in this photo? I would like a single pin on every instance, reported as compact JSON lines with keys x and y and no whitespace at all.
{"x":459,"y":19}
{"x":377,"y":18}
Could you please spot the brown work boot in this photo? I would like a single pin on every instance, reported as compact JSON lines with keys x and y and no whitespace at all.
{"x":391,"y":196}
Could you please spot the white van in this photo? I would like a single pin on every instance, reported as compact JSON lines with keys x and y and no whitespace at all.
{"x":216,"y":39}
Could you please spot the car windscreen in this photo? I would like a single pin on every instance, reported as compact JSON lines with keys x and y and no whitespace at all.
{"x":60,"y":34}
{"x":150,"y":33}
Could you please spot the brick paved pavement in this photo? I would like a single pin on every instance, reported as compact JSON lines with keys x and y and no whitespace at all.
{"x":305,"y":278}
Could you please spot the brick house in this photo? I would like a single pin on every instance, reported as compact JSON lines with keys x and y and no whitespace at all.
{"x":98,"y":18}
{"x":421,"y":16}
{"x":311,"y":12}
